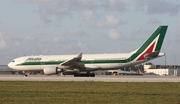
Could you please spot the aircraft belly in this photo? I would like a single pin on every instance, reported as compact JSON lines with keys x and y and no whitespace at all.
{"x":111,"y":66}
{"x":104,"y":66}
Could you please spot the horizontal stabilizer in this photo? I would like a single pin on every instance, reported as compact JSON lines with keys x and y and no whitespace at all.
{"x":151,"y":55}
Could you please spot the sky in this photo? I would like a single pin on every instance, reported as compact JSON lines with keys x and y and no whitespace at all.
{"x":57,"y":27}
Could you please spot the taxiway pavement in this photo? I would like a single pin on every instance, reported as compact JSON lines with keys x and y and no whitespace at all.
{"x":101,"y":78}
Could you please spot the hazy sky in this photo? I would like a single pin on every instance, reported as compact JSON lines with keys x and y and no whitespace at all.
{"x":46,"y":27}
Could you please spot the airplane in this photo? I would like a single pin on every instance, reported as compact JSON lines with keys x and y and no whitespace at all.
{"x":85,"y":64}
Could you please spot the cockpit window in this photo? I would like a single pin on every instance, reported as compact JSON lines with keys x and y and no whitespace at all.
{"x":13,"y":61}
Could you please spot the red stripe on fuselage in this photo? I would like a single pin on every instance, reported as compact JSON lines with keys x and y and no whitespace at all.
{"x":147,"y":52}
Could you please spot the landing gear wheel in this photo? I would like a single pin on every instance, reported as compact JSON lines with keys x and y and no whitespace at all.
{"x":92,"y":75}
{"x":76,"y":75}
{"x":84,"y":75}
{"x":25,"y":73}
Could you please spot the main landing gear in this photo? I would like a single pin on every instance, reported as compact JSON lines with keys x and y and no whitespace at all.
{"x":25,"y":74}
{"x":84,"y":74}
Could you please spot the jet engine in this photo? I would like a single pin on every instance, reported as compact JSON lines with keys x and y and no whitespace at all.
{"x":52,"y":70}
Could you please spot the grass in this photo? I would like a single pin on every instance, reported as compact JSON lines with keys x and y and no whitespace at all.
{"x":36,"y":92}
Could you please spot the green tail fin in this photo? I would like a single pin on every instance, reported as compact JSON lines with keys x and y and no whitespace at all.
{"x":152,"y":44}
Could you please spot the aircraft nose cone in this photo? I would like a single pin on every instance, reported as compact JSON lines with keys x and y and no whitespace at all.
{"x":10,"y":65}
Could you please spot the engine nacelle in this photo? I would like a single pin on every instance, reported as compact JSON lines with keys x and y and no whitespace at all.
{"x":51,"y":70}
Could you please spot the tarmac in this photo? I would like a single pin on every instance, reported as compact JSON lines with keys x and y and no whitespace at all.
{"x":98,"y":78}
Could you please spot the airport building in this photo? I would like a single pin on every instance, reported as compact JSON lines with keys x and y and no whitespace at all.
{"x":164,"y":72}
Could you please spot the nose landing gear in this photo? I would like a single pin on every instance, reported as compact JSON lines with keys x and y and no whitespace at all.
{"x":25,"y":73}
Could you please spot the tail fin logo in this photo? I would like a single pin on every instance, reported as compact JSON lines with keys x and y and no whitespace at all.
{"x":148,"y":51}
{"x":151,"y":47}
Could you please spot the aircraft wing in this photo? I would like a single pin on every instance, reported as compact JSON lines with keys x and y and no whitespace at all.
{"x":73,"y":63}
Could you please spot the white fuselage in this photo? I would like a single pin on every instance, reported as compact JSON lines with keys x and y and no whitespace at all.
{"x":36,"y":63}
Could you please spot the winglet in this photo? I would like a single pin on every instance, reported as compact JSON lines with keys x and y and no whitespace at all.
{"x":79,"y":56}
